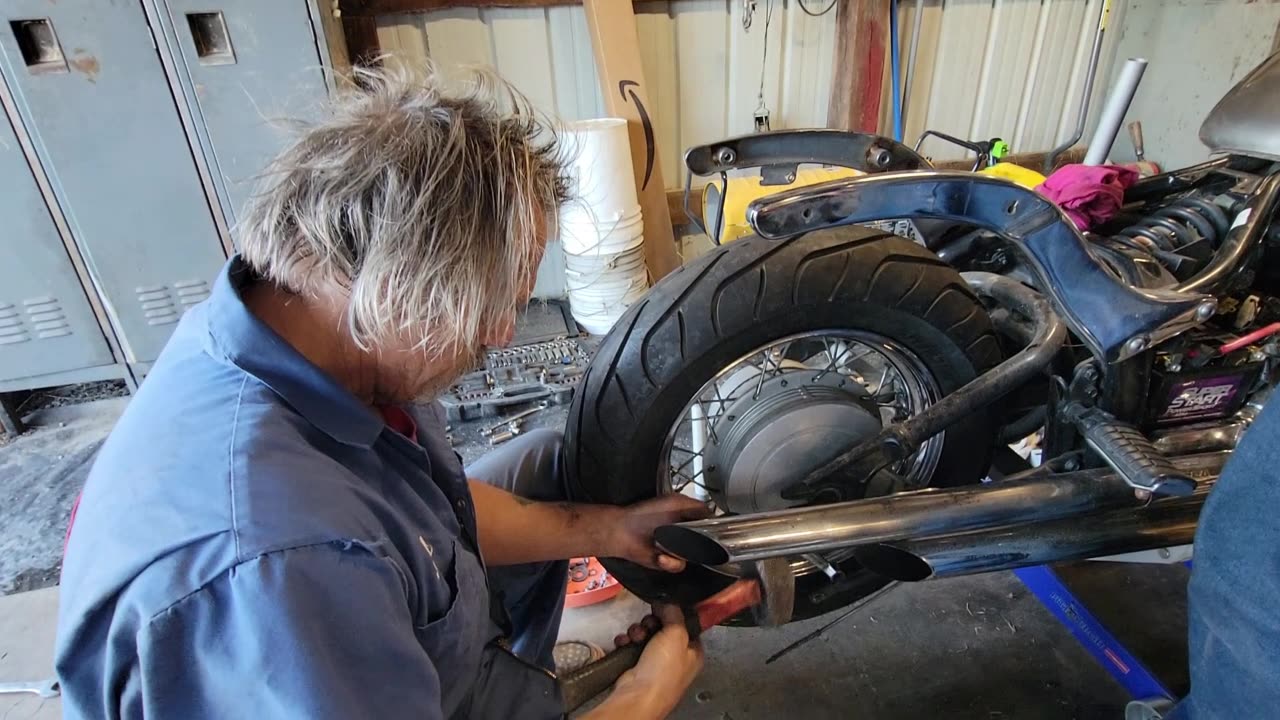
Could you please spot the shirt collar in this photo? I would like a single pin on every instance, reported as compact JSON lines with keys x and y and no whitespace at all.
{"x":234,"y":333}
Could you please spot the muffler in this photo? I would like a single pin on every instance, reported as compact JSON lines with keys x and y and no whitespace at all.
{"x":912,"y":515}
{"x":1163,"y":523}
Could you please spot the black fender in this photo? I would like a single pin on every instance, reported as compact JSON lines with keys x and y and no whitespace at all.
{"x":1112,"y":318}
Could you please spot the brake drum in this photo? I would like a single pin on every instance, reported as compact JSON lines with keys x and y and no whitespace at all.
{"x":768,"y":440}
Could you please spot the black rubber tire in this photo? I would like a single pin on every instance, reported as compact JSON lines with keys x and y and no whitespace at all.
{"x":741,"y":297}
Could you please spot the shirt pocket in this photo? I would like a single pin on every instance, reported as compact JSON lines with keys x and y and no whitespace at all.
{"x":454,"y":636}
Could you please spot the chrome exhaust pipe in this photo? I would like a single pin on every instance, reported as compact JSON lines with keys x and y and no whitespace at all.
{"x":919,"y":514}
{"x":1164,"y":523}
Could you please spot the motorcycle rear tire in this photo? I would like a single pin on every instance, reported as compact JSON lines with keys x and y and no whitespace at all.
{"x":734,"y":300}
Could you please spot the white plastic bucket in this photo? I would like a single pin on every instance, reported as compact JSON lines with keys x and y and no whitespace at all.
{"x":583,"y":235}
{"x":574,"y":212}
{"x":604,"y":287}
{"x":630,"y":260}
{"x":601,"y":287}
{"x":599,"y":153}
{"x":607,"y":291}
{"x":610,"y":306}
{"x":597,"y":325}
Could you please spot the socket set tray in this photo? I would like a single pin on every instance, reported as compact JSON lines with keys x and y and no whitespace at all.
{"x":541,"y":372}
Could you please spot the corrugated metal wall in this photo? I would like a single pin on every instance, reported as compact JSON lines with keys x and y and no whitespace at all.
{"x":704,"y":72}
{"x":1012,"y":68}
{"x":1008,"y":68}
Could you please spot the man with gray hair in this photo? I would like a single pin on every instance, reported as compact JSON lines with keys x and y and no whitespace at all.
{"x":274,"y":529}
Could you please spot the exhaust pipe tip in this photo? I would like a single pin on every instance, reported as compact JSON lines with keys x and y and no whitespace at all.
{"x":893,"y":562}
{"x":693,"y":546}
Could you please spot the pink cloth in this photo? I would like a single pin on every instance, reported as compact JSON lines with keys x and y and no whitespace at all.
{"x":1088,"y":194}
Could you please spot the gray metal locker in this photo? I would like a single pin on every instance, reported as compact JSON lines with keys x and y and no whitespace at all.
{"x":245,"y":66}
{"x":48,"y":332}
{"x":92,"y":92}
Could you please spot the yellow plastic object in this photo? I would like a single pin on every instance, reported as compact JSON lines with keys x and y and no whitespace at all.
{"x":742,"y":190}
{"x":1025,"y":177}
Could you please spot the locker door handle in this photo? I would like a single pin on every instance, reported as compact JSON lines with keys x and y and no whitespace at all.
{"x":213,"y":42}
{"x":37,"y":41}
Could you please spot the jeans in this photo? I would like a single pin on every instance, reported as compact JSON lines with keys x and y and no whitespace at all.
{"x":532,"y":467}
{"x":1234,"y":644}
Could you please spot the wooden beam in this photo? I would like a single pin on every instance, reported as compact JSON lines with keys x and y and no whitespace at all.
{"x":360,"y":27}
{"x":680,"y":223}
{"x":612,"y":24}
{"x":361,"y":34}
{"x":862,"y":33}
{"x":370,"y":8}
{"x":1031,"y":160}
{"x":335,"y":40}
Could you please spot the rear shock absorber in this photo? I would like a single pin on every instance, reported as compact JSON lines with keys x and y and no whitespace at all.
{"x":1181,"y":235}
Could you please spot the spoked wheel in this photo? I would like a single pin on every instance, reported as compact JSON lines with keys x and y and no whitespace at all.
{"x":741,"y":372}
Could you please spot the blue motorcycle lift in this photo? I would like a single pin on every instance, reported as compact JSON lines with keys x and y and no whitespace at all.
{"x":1133,"y":675}
{"x":1092,"y":635}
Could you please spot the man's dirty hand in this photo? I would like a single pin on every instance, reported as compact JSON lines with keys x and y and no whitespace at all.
{"x":632,"y":529}
{"x":669,"y":664}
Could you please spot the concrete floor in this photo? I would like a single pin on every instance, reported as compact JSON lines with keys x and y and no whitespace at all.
{"x":27,"y":622}
{"x":977,"y":648}
{"x":41,"y":473}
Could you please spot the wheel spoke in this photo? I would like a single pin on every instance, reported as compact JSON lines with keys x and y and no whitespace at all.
{"x":835,"y":365}
{"x":686,"y":463}
{"x":764,"y":372}
{"x":688,"y":481}
{"x":713,"y":421}
{"x":880,"y":385}
{"x":833,"y":360}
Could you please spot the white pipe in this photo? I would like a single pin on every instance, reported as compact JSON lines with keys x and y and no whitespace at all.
{"x":1114,"y":111}
{"x":698,"y":437}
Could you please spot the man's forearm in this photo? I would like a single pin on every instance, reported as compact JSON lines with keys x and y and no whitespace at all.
{"x":516,"y":530}
{"x":628,"y":704}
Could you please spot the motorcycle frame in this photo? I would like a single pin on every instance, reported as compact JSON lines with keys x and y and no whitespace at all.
{"x":1119,"y":324}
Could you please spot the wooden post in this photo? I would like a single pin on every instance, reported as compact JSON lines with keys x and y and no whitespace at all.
{"x":10,"y":420}
{"x":617,"y":53}
{"x":862,"y":35}
{"x":361,"y":36}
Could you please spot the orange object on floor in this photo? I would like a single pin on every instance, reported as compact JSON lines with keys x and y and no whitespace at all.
{"x":589,"y":583}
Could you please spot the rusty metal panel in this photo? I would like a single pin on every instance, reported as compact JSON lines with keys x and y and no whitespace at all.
{"x":46,"y":324}
{"x":247,"y":70}
{"x":94,"y":97}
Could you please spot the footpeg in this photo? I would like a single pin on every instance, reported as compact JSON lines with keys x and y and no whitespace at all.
{"x":1131,"y":454}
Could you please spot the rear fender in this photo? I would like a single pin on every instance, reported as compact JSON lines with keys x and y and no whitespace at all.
{"x":1113,"y":319}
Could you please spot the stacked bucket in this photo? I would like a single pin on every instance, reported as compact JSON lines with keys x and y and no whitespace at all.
{"x":601,"y":231}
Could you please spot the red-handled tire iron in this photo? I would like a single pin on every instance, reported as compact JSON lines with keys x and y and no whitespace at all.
{"x":769,"y":595}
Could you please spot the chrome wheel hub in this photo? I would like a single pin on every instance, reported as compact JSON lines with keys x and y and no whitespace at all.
{"x":769,"y":441}
{"x":764,"y":421}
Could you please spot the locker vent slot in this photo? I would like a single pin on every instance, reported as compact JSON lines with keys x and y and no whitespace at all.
{"x":162,"y":306}
{"x":39,"y":45}
{"x":47,"y":317}
{"x":213,"y":43}
{"x":12,"y":331}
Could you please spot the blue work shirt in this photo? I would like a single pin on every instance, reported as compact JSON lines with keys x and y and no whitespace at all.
{"x":254,"y":542}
